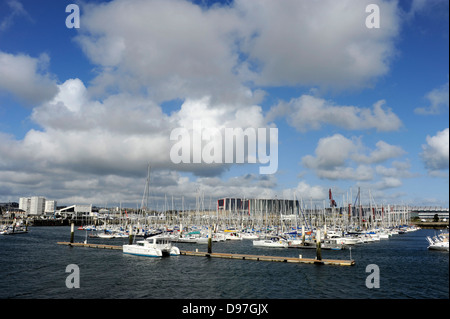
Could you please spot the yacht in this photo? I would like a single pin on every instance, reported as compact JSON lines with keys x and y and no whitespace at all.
{"x":156,"y":246}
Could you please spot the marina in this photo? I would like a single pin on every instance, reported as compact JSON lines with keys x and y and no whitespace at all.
{"x":248,"y":248}
{"x":211,"y":158}
{"x":408,"y":269}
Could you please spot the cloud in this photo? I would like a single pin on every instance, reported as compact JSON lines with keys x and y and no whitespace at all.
{"x":438,"y":99}
{"x":339,"y":158}
{"x":177,"y":49}
{"x":311,"y":113}
{"x":323,"y":44}
{"x":435,"y":153}
{"x":398,"y":170}
{"x":26,"y":77}
{"x":100,"y":148}
{"x":17,"y":10}
{"x":120,"y":134}
{"x":172,"y":49}
{"x":391,"y":177}
{"x":331,"y":152}
{"x":383,"y":152}
{"x":216,"y":60}
{"x":305,"y":192}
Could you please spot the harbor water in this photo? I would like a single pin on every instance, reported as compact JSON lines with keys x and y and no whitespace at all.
{"x":33,"y":266}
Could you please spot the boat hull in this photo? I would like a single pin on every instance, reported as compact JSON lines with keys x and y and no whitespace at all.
{"x":441,"y":247}
{"x":152,"y":247}
{"x":142,"y":251}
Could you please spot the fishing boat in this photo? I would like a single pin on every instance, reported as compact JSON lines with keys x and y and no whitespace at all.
{"x":156,"y":246}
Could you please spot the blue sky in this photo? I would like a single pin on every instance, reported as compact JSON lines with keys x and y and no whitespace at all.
{"x":82,"y":111}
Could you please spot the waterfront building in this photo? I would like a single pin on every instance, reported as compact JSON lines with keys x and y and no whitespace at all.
{"x":24,"y":204}
{"x":37,"y":205}
{"x":50,"y":206}
{"x":33,"y":205}
{"x":76,"y":211}
{"x":429,"y":213}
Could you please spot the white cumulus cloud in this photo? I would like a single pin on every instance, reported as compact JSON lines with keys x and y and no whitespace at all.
{"x":26,"y":77}
{"x":310,"y":113}
{"x":435,"y":153}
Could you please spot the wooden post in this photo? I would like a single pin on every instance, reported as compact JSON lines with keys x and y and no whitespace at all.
{"x":210,"y":241}
{"x":130,"y":235}
{"x":318,"y":246}
{"x":71,"y":232}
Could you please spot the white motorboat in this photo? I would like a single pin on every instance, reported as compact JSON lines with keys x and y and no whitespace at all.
{"x":274,"y":242}
{"x":233,"y":236}
{"x":187,"y":239}
{"x":383,"y":235}
{"x":249,"y":236}
{"x":345,"y":240}
{"x":156,"y":246}
{"x":191,"y":237}
{"x":219,"y":237}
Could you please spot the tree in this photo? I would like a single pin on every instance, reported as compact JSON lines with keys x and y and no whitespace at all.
{"x":436,"y":218}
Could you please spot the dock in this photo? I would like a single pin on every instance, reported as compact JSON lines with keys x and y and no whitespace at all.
{"x":335,"y":262}
{"x":101,"y":246}
{"x":271,"y":258}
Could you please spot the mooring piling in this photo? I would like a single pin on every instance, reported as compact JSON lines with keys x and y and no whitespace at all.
{"x":318,"y":246}
{"x":130,"y":235}
{"x":72,"y":227}
{"x":210,"y":241}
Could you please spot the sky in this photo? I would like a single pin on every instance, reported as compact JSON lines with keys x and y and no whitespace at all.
{"x":347,"y":99}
